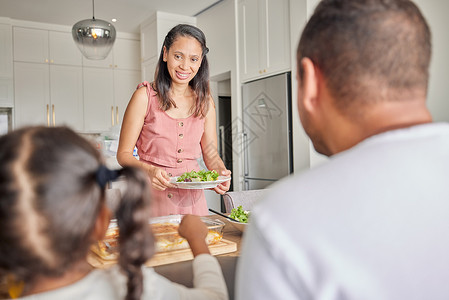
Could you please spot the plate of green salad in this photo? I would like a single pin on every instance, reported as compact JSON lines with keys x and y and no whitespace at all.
{"x":199,"y":180}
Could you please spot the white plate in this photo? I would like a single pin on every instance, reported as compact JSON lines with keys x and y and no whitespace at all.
{"x":199,"y":185}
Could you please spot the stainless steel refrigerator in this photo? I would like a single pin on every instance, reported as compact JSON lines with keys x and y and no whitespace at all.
{"x":267,"y":131}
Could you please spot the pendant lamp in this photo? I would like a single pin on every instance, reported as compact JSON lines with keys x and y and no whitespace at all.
{"x":94,"y":37}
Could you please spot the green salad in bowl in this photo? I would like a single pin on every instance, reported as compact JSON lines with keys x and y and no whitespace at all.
{"x":240,"y":215}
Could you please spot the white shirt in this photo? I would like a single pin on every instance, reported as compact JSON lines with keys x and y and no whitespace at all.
{"x":372,"y":223}
{"x":110,"y":284}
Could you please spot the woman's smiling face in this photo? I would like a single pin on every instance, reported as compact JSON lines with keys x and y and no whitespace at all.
{"x":183,"y":59}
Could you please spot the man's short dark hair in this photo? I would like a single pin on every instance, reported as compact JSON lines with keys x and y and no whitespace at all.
{"x":368,"y":50}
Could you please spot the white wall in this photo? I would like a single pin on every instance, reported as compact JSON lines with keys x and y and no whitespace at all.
{"x":435,"y":11}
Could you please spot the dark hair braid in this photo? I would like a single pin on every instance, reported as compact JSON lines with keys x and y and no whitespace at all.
{"x":136,"y":242}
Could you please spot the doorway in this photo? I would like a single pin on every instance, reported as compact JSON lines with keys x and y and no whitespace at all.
{"x":225,"y":132}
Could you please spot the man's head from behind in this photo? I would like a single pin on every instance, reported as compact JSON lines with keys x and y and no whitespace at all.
{"x":366,"y":52}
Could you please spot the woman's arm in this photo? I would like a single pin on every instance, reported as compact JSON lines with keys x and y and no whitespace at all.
{"x":131,"y":128}
{"x":209,"y":148}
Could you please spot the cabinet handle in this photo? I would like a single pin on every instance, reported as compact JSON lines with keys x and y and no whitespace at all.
{"x":46,"y":60}
{"x":48,"y":115}
{"x":112,"y":115}
{"x":115,"y":66}
{"x":116,"y":114}
{"x":53,"y":115}
{"x":110,"y":66}
{"x":260,"y":72}
{"x":265,"y":70}
{"x":51,"y":61}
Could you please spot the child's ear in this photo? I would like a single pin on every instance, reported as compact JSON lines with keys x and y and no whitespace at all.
{"x":102,"y":222}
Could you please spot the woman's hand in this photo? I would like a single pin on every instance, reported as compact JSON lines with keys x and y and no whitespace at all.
{"x":195,"y":232}
{"x":223,"y":187}
{"x":159,"y":178}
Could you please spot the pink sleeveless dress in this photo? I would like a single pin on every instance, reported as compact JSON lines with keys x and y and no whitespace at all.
{"x":173,"y":145}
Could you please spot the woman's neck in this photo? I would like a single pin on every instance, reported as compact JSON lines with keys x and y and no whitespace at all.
{"x":44,"y":284}
{"x":178,"y":90}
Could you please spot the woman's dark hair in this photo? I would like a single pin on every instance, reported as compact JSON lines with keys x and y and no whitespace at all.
{"x":50,"y":198}
{"x":199,"y":84}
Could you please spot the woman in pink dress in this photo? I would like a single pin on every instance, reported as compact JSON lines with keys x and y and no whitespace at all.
{"x":172,"y":122}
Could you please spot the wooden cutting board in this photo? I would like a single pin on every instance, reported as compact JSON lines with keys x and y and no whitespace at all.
{"x":163,"y":258}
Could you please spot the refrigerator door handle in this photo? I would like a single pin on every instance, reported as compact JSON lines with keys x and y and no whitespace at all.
{"x":246,"y":188}
{"x":222,"y":143}
{"x":245,"y":154}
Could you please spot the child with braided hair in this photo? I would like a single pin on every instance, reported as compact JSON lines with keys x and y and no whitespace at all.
{"x":52,"y":209}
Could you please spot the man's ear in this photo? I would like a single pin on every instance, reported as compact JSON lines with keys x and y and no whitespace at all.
{"x":310,"y":85}
{"x":102,"y":223}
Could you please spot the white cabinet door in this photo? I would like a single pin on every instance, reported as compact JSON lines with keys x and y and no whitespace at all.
{"x":66,"y":96}
{"x":250,"y":38}
{"x":106,"y":63}
{"x":30,"y":45}
{"x":6,"y":92}
{"x":264,"y":38}
{"x":125,"y":83}
{"x":6,"y":66}
{"x":63,"y":50}
{"x":5,"y":51}
{"x":278,"y":36}
{"x":32,"y":96}
{"x":98,"y":99}
{"x":48,"y":95}
{"x":127,"y":54}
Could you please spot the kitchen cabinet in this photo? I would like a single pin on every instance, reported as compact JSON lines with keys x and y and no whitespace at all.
{"x":125,"y":54}
{"x":98,"y":99}
{"x":106,"y":95}
{"x":125,"y":83}
{"x":56,"y":85}
{"x":48,"y":95}
{"x":6,"y":66}
{"x":44,"y":46}
{"x":109,"y":84}
{"x":48,"y":86}
{"x":5,"y":51}
{"x":152,"y":36}
{"x":264,"y":38}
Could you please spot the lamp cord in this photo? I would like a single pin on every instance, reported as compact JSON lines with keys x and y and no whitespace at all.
{"x":93,"y":10}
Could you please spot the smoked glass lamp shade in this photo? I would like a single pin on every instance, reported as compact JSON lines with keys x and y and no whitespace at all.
{"x":94,"y":38}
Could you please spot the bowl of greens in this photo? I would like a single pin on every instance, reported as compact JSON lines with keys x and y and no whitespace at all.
{"x":241,"y":216}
